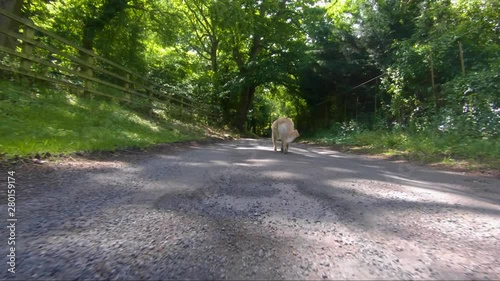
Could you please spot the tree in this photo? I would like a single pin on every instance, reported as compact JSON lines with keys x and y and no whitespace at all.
{"x":247,"y":45}
{"x":431,"y":51}
{"x":267,"y":45}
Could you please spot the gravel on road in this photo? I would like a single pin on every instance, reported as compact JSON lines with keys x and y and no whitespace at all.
{"x":239,"y":210}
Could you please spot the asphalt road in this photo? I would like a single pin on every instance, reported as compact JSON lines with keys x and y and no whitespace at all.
{"x":238,"y":210}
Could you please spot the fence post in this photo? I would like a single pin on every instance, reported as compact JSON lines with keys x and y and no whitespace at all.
{"x":127,"y":87}
{"x":151,"y":109}
{"x":27,"y":48}
{"x":89,"y":72}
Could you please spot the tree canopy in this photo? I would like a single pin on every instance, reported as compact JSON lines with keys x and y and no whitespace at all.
{"x":386,"y":62}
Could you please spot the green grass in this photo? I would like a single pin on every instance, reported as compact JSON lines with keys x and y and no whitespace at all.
{"x":432,"y":148}
{"x":45,"y":120}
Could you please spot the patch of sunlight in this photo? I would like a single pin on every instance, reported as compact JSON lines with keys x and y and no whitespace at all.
{"x":143,"y":122}
{"x":282,"y":174}
{"x":265,"y":161}
{"x":253,"y":148}
{"x":338,"y":170}
{"x":160,"y":112}
{"x":362,"y":148}
{"x":392,"y":152}
{"x":220,"y":162}
{"x":392,"y":176}
{"x":57,"y":132}
{"x":329,"y":153}
{"x":132,"y":135}
{"x":345,"y":184}
{"x":449,"y":161}
{"x":72,"y":99}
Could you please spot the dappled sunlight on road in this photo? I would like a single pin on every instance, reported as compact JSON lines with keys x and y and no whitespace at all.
{"x":238,"y":209}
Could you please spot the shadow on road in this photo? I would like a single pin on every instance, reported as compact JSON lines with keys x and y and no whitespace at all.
{"x":242,"y":199}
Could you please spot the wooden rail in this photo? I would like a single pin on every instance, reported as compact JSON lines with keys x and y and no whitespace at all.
{"x":85,"y":73}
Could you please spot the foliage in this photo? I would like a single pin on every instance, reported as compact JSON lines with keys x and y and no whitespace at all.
{"x":272,"y":103}
{"x":118,"y":30}
{"x":407,"y":41}
{"x":247,"y":45}
{"x":474,"y":105}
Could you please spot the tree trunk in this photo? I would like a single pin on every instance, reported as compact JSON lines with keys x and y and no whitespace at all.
{"x":434,"y":91}
{"x":15,"y":7}
{"x":248,"y":92}
{"x":245,"y":103}
{"x":213,"y":55}
{"x":92,"y":27}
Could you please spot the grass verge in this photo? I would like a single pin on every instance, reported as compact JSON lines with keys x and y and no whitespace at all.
{"x":442,"y":150}
{"x":49,"y":122}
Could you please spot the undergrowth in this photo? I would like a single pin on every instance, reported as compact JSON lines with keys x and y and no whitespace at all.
{"x":427,"y":146}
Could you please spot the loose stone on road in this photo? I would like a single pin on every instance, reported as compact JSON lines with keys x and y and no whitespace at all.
{"x":239,"y":210}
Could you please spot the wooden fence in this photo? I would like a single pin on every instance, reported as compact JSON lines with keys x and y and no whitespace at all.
{"x":43,"y":55}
